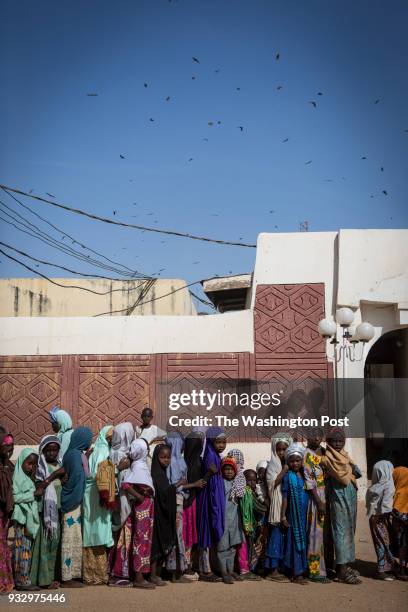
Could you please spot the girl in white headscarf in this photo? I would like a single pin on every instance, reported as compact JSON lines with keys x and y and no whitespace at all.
{"x":379,"y":502}
{"x":274,"y":474}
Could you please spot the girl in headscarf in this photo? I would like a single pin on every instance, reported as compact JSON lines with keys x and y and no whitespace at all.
{"x":341,"y":495}
{"x":62,"y":425}
{"x":236,"y":494}
{"x":76,"y":468}
{"x":130,"y":558}
{"x":379,"y":500}
{"x":211,"y":501}
{"x":45,"y":566}
{"x":165,"y":508}
{"x":96,"y":519}
{"x":122,"y":438}
{"x":233,"y":534}
{"x":400,"y":519}
{"x":253,"y":512}
{"x":176,"y":472}
{"x":295,"y":500}
{"x":6,"y":509}
{"x":275,"y":471}
{"x":25,"y":517}
{"x":314,"y":483}
{"x":193,"y":445}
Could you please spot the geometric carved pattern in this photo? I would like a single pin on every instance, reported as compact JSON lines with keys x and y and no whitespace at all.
{"x":103,"y":389}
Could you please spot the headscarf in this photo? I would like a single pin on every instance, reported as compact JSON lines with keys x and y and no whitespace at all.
{"x":165,"y":507}
{"x":211,"y":499}
{"x":400,"y":477}
{"x":261,"y":464}
{"x":73,"y":489}
{"x":50,"y":500}
{"x":379,"y":497}
{"x":177,"y":469}
{"x":239,"y":482}
{"x":272,"y":471}
{"x":122,"y":438}
{"x":296,"y":448}
{"x":6,"y":482}
{"x":100,"y":450}
{"x":64,"y":434}
{"x":231,"y":462}
{"x":25,"y":505}
{"x":337,"y":464}
{"x":193,"y":445}
{"x":139,"y":472}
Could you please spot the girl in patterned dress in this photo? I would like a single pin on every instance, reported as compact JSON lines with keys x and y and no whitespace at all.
{"x":6,"y":508}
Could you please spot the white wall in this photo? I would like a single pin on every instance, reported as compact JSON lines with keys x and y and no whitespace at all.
{"x":230,"y":332}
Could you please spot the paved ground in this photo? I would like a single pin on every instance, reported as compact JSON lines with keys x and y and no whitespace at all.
{"x":255,"y":597}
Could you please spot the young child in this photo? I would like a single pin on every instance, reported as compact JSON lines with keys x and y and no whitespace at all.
{"x":45,"y":565}
{"x":261,"y":486}
{"x":132,"y":558}
{"x":233,"y":534}
{"x":72,"y":493}
{"x":341,"y":494}
{"x":314,"y":483}
{"x":294,"y":514}
{"x":25,"y":517}
{"x":379,"y":501}
{"x":6,"y":509}
{"x":176,"y":472}
{"x":274,"y":473}
{"x":211,"y":502}
{"x":253,"y":512}
{"x":165,"y":509}
{"x":400,"y":519}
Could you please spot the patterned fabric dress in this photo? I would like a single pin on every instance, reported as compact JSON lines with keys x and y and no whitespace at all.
{"x":71,"y":545}
{"x":21,"y":556}
{"x":131,"y":553}
{"x":314,"y":480}
{"x":6,"y":573}
{"x":380,"y":527}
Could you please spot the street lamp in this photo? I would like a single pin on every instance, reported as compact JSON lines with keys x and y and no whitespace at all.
{"x":364,"y":332}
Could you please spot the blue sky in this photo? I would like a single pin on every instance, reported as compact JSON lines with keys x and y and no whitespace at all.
{"x":56,"y":139}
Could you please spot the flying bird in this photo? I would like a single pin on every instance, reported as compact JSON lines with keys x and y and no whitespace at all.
{"x":144,"y":84}
{"x":31,"y":191}
{"x":218,"y":122}
{"x":168,"y":99}
{"x":286,"y":140}
{"x":319,"y":93}
{"x":238,"y":89}
{"x":114,"y":212}
{"x":151,"y":119}
{"x":377,"y":101}
{"x":92,"y":95}
{"x":50,"y":194}
{"x":210,"y":123}
{"x":240,"y":127}
{"x":216,"y":70}
{"x":196,"y":60}
{"x":271,"y":211}
{"x":191,"y":159}
{"x":313,"y":103}
{"x":382,"y":168}
{"x":277,"y":56}
{"x":308,"y":162}
{"x":193,"y":78}
{"x":122,"y":156}
{"x":206,"y":139}
{"x":385,"y":192}
{"x":364,"y":157}
{"x":195,"y":262}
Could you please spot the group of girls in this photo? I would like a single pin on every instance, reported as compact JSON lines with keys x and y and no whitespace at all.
{"x":140,"y":507}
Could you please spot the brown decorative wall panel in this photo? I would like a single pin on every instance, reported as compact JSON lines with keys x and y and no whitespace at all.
{"x":101,"y":389}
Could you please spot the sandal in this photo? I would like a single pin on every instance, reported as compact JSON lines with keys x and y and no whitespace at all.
{"x":349,"y":578}
{"x":158,"y":582}
{"x":321,"y":580}
{"x":300,"y":580}
{"x":237,"y":577}
{"x":228,"y":579}
{"x":121,"y":584}
{"x":144,"y":585}
{"x":209,"y":578}
{"x":251,"y":576}
{"x":384,"y":576}
{"x":277,"y":578}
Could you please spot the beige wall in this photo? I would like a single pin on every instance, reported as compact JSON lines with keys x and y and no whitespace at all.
{"x":36,"y":297}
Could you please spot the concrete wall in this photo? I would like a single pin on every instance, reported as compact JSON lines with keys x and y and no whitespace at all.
{"x":36,"y":297}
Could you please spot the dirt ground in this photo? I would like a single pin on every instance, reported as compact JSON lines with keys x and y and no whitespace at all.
{"x":256,"y":596}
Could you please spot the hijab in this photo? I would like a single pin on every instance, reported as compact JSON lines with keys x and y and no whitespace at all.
{"x":73,"y":489}
{"x":139,"y":472}
{"x":122,"y":438}
{"x":177,"y":469}
{"x":272,"y":471}
{"x":337,"y":464}
{"x":211,"y":499}
{"x":380,"y":495}
{"x":164,"y":527}
{"x":50,"y":500}
{"x":239,"y":482}
{"x":296,"y":448}
{"x":64,"y":434}
{"x":193,"y":445}
{"x":100,"y":450}
{"x":25,"y":505}
{"x":261,"y":464}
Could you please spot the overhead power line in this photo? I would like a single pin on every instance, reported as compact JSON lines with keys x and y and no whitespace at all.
{"x":123,"y":224}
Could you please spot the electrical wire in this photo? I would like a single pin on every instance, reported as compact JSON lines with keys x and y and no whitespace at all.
{"x":78,"y":211}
